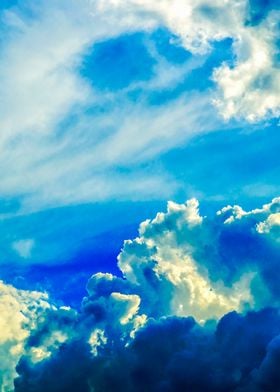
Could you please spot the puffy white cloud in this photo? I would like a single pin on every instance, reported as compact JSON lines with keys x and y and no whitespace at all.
{"x":19,"y":311}
{"x":54,"y":327}
{"x":192,"y":261}
{"x":186,"y":264}
{"x":250,"y":88}
{"x":114,"y":309}
{"x":30,"y":326}
{"x":162,"y":259}
{"x":269,"y":211}
{"x":271,"y":226}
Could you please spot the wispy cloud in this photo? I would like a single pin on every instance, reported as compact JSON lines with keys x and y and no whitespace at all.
{"x":54,"y":150}
{"x":63,"y":141}
{"x":23,"y":247}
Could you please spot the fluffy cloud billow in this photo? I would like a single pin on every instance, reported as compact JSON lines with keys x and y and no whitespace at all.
{"x":196,"y":308}
{"x":19,"y":313}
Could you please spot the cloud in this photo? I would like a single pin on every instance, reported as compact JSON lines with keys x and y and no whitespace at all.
{"x":63,"y":136}
{"x":267,"y":376}
{"x":19,"y":312}
{"x":170,"y":354}
{"x":23,"y":247}
{"x":271,"y":225}
{"x":248,"y":88}
{"x":73,"y":143}
{"x":30,"y":325}
{"x":162,"y":259}
{"x":203,"y":266}
{"x":191,"y":285}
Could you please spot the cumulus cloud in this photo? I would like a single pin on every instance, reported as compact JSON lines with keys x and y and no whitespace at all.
{"x":30,"y":325}
{"x":196,"y":306}
{"x":19,"y":312}
{"x":204,"y":267}
{"x":250,"y":88}
{"x":162,"y":259}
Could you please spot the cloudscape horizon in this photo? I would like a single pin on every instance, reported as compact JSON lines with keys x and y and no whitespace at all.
{"x":139,"y":196}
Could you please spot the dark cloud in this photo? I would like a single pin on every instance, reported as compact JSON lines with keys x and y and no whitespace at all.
{"x":67,"y":370}
{"x":169,"y":354}
{"x":197,"y":309}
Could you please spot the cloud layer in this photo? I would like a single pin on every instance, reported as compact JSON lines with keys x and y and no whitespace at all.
{"x":190,"y":286}
{"x":196,"y":303}
{"x":60,"y":132}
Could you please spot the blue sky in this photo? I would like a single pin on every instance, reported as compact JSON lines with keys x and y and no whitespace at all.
{"x":111,"y":109}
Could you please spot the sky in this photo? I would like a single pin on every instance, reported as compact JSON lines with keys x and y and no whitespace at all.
{"x":139,"y":195}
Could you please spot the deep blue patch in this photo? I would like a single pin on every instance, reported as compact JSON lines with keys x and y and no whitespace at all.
{"x":259,"y":9}
{"x":168,"y":46}
{"x":65,"y":283}
{"x":71,"y":244}
{"x":211,"y":165}
{"x":116,"y":63}
{"x":6,"y":4}
{"x":199,"y":79}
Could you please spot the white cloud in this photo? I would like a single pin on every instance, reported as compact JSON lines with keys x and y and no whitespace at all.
{"x":97,"y":338}
{"x":186,"y":264}
{"x":270,"y":226}
{"x":166,"y":248}
{"x":19,"y":310}
{"x":119,"y":310}
{"x":272,"y":221}
{"x":24,"y":247}
{"x":237,"y":212}
{"x":24,"y":313}
{"x":53,"y":328}
{"x":249,"y":88}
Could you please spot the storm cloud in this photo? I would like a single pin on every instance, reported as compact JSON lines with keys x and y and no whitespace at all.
{"x":196,"y":308}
